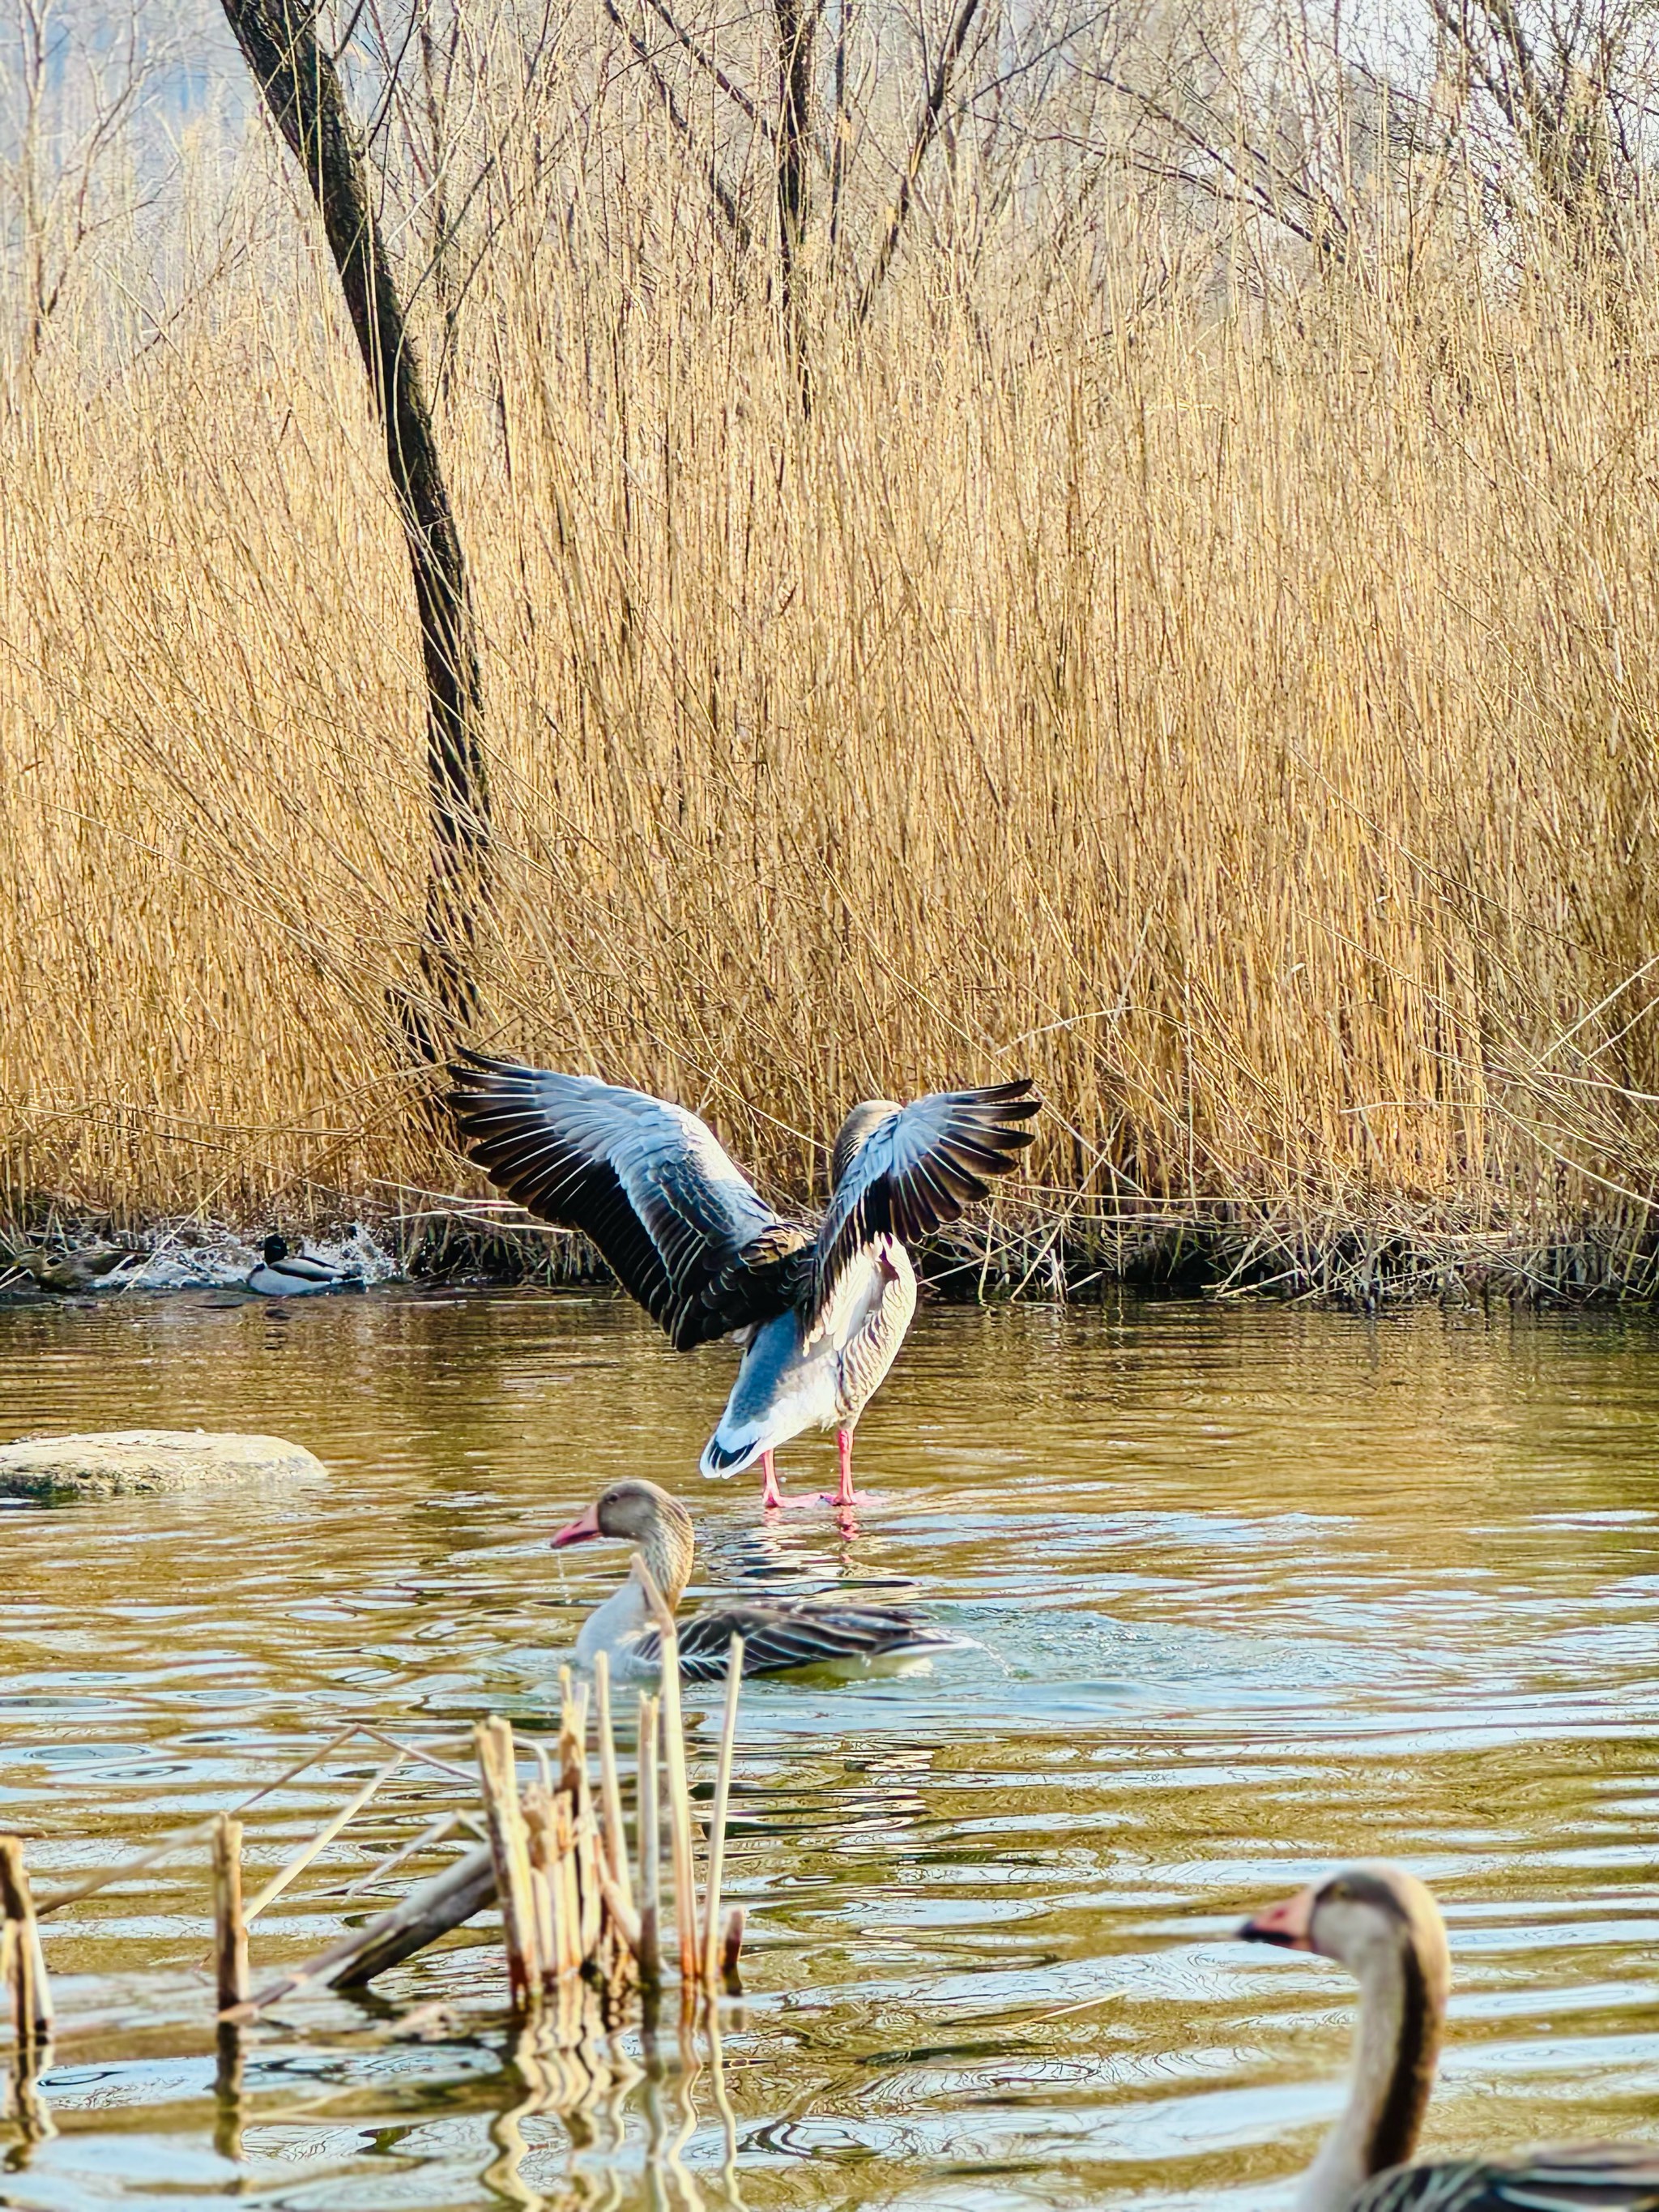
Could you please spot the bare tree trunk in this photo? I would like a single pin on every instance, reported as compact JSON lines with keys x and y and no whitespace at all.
{"x":301,"y":87}
{"x":796,"y":22}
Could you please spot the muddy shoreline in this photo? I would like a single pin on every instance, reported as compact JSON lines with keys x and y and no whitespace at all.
{"x":1070,"y":1256}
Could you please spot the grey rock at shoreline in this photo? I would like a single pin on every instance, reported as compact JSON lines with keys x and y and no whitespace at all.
{"x":114,"y":1462}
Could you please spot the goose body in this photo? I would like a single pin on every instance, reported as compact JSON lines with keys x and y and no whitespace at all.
{"x":797,"y":1376}
{"x":820,"y":1309}
{"x":779,"y":1634}
{"x":284,"y":1274}
{"x":1386,"y":1928}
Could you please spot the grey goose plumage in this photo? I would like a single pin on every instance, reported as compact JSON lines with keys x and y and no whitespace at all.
{"x":1385,"y":1926}
{"x":819,"y":1308}
{"x":1591,"y":2178}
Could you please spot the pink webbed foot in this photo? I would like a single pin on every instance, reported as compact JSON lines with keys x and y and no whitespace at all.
{"x":845,"y":1495}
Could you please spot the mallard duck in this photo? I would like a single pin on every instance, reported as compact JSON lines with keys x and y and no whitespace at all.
{"x":820,"y":1309}
{"x":70,"y":1272}
{"x":1385,"y":1927}
{"x":284,"y":1274}
{"x":778,"y":1633}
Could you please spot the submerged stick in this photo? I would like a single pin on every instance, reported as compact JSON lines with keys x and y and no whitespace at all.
{"x":731,"y":1950}
{"x":679,"y":1800}
{"x":717,"y":1824}
{"x":30,"y":1993}
{"x":650,"y":1828}
{"x":229,"y":1921}
{"x":510,"y":1848}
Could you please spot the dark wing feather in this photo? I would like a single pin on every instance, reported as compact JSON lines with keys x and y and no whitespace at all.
{"x":647,"y":1181}
{"x":1590,"y":2177}
{"x":920,"y":1168}
{"x":805,"y":1633}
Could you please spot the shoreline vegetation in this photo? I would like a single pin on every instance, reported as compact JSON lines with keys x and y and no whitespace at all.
{"x":1185,"y":633}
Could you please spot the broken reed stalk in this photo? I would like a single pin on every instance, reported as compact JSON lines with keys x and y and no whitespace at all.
{"x":554,"y":1863}
{"x":229,"y":1921}
{"x":717,"y":1823}
{"x":509,"y":1846}
{"x":650,"y":1828}
{"x":539,"y":1829}
{"x":199,"y":1829}
{"x":443,"y":1903}
{"x":30,"y":1993}
{"x":679,"y":1800}
{"x":573,"y":1769}
{"x":324,"y":1836}
{"x":616,"y":1835}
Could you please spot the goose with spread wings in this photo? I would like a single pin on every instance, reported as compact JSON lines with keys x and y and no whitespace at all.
{"x":820,"y":1309}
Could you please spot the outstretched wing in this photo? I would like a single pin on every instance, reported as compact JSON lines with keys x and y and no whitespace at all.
{"x":922,"y":1167}
{"x":806,"y":1632}
{"x":1590,"y":2177}
{"x":687,"y":1233}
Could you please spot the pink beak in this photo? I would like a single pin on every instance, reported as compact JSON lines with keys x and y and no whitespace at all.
{"x":582,"y":1530}
{"x":1289,"y":1923}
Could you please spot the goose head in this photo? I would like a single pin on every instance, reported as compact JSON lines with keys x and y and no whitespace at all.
{"x":1362,"y":1915}
{"x":856,"y":1133}
{"x":638,"y":1512}
{"x":1382,"y":1925}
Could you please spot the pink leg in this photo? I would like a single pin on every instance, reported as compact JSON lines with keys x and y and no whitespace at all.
{"x":771,"y":1496}
{"x":845,"y":1495}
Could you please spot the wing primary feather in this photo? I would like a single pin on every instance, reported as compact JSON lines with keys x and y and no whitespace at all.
{"x":647,"y":1181}
{"x":919,"y":1168}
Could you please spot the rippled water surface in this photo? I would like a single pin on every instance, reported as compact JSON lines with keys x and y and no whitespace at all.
{"x":1245,"y":1591}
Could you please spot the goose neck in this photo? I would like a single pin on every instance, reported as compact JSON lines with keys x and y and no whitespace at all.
{"x":667,"y":1547}
{"x":1396,"y":2045}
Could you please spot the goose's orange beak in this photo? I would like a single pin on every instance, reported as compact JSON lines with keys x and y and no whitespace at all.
{"x":1289,"y":1923}
{"x":582,"y":1530}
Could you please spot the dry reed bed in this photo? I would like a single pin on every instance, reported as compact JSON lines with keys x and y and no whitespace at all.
{"x":1233,"y":708}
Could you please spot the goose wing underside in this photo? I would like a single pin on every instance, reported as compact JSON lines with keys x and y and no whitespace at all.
{"x":1594,"y":2178}
{"x":920,"y":1169}
{"x":809,"y":1632}
{"x":649,"y":1183}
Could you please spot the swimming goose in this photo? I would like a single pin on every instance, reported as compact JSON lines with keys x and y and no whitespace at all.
{"x":284,"y":1274}
{"x":778,"y":1633}
{"x":1384,"y":1926}
{"x":820,"y":1310}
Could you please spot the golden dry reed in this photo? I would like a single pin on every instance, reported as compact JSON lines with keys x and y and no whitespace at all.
{"x":1225,"y":694}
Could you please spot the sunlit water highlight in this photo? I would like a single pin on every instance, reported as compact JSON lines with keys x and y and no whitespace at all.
{"x":1242,"y":1592}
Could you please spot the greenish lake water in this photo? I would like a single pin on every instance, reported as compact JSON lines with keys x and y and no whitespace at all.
{"x":1248,"y":1591}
